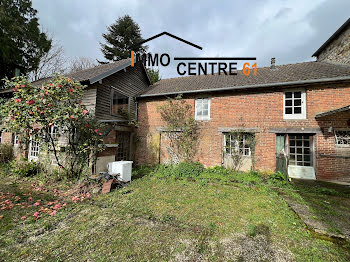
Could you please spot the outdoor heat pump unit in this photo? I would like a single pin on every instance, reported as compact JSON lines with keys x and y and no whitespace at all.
{"x":123,"y":168}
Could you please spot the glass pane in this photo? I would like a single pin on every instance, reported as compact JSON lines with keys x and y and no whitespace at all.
{"x":289,"y":111}
{"x":289,"y":102}
{"x":292,"y":142}
{"x":289,"y":94}
{"x":307,"y":164}
{"x":299,"y":158}
{"x":297,"y":110}
{"x":205,"y":112}
{"x":306,"y":143}
{"x":205,"y":105}
{"x":299,"y":150}
{"x":299,"y":142}
{"x":306,"y":157}
{"x":297,"y":102}
{"x":292,"y":150}
{"x":306,"y":150}
{"x":297,"y":94}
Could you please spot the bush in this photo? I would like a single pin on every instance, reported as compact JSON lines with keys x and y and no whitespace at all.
{"x":183,"y":169}
{"x":277,"y":178}
{"x":25,"y":168}
{"x":6,"y":153}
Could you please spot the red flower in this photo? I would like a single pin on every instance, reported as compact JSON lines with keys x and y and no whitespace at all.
{"x":96,"y":130}
{"x":71,"y":117}
{"x":18,"y":100}
{"x":31,"y":113}
{"x":12,"y":118}
{"x":70,"y":90}
{"x":47,"y":93}
{"x":15,"y":89}
{"x":100,"y":134}
{"x":23,"y":85}
{"x":30,"y":102}
{"x":68,"y":79}
{"x":85,"y":112}
{"x":59,"y":86}
{"x":87,"y":125}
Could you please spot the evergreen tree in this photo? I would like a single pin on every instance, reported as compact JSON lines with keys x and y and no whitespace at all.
{"x":22,"y":44}
{"x":122,"y":37}
{"x":153,"y":74}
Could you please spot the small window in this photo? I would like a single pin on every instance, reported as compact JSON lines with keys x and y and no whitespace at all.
{"x":342,"y":138}
{"x":16,"y":140}
{"x":202,"y":109}
{"x":53,"y":130}
{"x":237,"y":145}
{"x":120,"y":104}
{"x":34,"y":149}
{"x":294,"y":104}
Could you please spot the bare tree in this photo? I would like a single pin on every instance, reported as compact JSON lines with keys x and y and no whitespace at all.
{"x":52,"y":62}
{"x":81,"y":63}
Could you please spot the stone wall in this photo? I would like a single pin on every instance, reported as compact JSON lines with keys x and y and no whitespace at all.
{"x":338,"y":51}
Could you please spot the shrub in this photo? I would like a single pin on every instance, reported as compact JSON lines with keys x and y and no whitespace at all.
{"x":6,"y":153}
{"x":25,"y":168}
{"x":277,"y":178}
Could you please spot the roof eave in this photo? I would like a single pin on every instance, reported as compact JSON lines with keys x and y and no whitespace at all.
{"x":331,"y":112}
{"x":279,"y":84}
{"x":108,"y":73}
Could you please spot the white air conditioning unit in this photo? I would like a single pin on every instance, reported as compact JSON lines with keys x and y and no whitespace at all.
{"x":123,"y":168}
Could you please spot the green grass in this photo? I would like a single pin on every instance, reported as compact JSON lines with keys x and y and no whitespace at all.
{"x":162,"y":219}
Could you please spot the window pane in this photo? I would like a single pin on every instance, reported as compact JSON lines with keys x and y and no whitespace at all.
{"x":297,"y":94}
{"x":289,"y":94}
{"x":289,"y":110}
{"x":306,"y":150}
{"x":297,"y":102}
{"x":299,"y":150}
{"x":297,"y":110}
{"x":299,"y":142}
{"x":205,"y":113}
{"x":292,"y":150}
{"x":289,"y":102}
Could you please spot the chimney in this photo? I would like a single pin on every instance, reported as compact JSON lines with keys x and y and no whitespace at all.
{"x":273,"y":61}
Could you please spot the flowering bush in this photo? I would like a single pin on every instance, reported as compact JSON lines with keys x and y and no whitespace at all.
{"x":34,"y":111}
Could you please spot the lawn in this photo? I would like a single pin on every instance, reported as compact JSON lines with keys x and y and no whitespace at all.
{"x":158,"y":219}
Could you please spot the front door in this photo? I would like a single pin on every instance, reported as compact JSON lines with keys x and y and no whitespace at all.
{"x":300,"y":152}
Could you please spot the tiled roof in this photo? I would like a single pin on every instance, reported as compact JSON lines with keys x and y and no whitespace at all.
{"x":93,"y":74}
{"x":283,"y":74}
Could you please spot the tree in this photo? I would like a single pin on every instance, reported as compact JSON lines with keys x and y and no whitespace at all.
{"x":21,"y":41}
{"x":52,"y":62}
{"x":81,"y":63}
{"x":153,"y":74}
{"x":46,"y":113}
{"x":122,"y":37}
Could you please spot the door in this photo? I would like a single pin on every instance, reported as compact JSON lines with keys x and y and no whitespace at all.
{"x":300,"y":152}
{"x":123,"y":148}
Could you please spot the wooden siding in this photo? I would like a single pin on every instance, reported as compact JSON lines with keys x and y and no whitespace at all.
{"x":89,"y":98}
{"x":129,"y":82}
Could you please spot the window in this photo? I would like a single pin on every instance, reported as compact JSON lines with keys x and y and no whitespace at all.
{"x":300,"y":150}
{"x":123,"y":149}
{"x":294,"y":105}
{"x":202,"y":109}
{"x":15,"y":140}
{"x":34,"y":149}
{"x":120,"y":104}
{"x":237,"y":144}
{"x":342,"y":138}
{"x":53,"y":130}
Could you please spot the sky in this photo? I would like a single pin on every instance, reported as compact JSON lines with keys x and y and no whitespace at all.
{"x":289,"y":30}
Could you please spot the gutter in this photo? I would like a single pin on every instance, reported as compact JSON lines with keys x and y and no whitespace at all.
{"x":279,"y":84}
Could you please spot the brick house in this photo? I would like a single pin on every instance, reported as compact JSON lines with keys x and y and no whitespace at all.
{"x":300,"y":109}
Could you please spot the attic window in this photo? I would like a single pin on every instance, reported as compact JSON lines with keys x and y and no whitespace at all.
{"x":120,"y":103}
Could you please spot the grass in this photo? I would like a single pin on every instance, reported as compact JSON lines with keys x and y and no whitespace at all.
{"x":159,"y":218}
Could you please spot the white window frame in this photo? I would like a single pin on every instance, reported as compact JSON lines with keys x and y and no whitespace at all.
{"x":337,"y":138}
{"x":303,"y":105}
{"x":16,"y":141}
{"x":53,"y":130}
{"x":206,"y":117}
{"x":34,"y":150}
{"x":236,"y":149}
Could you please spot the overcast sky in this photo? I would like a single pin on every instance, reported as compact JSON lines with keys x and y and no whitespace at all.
{"x":290,"y":30}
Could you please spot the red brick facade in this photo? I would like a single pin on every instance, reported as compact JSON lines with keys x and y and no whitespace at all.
{"x":262,"y":110}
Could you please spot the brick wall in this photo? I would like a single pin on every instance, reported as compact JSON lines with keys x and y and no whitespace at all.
{"x":250,"y":109}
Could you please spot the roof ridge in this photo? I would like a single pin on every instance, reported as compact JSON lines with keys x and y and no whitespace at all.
{"x":264,"y":67}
